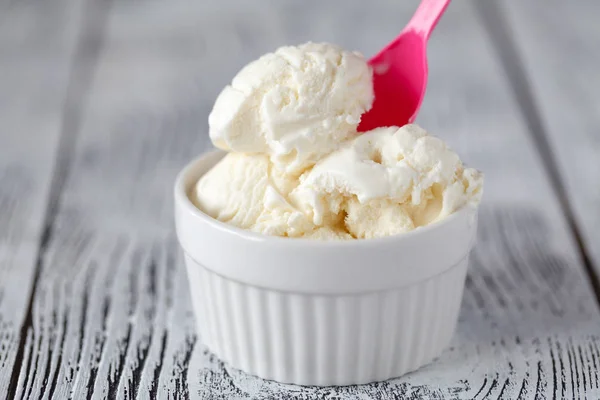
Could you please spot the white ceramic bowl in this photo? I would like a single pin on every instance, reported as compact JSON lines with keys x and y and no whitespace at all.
{"x":322,"y":312}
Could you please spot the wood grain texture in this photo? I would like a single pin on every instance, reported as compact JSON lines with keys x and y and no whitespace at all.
{"x":111,"y":316}
{"x":563,"y":75}
{"x":37,"y":43}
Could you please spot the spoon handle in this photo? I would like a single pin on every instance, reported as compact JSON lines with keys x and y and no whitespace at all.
{"x":426,"y":17}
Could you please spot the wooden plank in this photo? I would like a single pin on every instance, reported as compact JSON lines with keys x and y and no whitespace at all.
{"x":111,"y":316}
{"x":563,"y":73}
{"x":37,"y":44}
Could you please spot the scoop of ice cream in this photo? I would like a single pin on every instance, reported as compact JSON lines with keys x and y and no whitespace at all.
{"x":240,"y":190}
{"x":384,"y":182}
{"x":387,"y":181}
{"x":295,"y":105}
{"x":243,"y":190}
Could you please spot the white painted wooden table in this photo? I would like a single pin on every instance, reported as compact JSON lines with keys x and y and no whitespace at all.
{"x":102,"y":102}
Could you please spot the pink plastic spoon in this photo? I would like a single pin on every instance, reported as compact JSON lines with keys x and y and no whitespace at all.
{"x":400,"y":70}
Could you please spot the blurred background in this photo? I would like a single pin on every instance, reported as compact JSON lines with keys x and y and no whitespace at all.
{"x":103,"y":102}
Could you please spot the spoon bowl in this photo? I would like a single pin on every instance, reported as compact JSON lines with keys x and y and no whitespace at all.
{"x":400,"y":71}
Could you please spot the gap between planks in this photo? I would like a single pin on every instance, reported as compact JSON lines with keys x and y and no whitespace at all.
{"x":495,"y":23}
{"x":89,"y":47}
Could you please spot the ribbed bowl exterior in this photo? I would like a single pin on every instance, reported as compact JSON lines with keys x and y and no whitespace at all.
{"x":311,"y":339}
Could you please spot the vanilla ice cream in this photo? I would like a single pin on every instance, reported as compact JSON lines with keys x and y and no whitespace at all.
{"x":297,"y":167}
{"x":241,"y":191}
{"x":294,"y":105}
{"x":387,"y":181}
